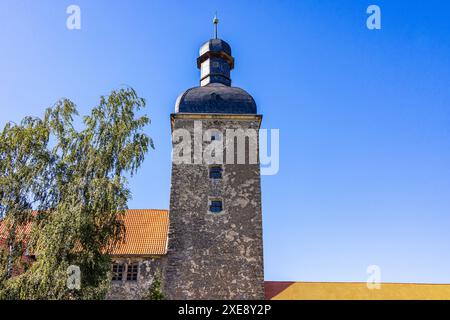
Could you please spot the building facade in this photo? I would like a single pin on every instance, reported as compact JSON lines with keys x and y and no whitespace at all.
{"x":214,"y":243}
{"x":141,"y":256}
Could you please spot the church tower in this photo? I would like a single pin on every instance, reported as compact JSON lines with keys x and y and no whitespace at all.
{"x":215,"y":243}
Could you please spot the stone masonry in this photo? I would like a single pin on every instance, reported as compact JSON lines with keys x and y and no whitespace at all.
{"x":215,"y":255}
{"x":139,"y":289}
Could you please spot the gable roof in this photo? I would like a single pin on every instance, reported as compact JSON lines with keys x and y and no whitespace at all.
{"x":146,"y":233}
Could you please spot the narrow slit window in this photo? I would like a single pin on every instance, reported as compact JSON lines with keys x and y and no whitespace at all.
{"x":216,"y":206}
{"x":215,"y":172}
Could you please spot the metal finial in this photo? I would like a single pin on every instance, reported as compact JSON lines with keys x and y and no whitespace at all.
{"x":216,"y":22}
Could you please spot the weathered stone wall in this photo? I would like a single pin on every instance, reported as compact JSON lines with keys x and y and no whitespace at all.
{"x":215,"y":256}
{"x":136,"y":290}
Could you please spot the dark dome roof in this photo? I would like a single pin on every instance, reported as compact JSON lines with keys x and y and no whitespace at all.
{"x":215,"y":45}
{"x":216,"y":98}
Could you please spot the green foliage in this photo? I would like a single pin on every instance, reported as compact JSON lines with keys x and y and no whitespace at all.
{"x":155,"y":291}
{"x":75,"y":180}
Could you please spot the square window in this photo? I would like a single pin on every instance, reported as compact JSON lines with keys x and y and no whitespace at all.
{"x":132,"y":272}
{"x":215,"y":172}
{"x":215,"y":136}
{"x":117,"y":272}
{"x":216,"y":206}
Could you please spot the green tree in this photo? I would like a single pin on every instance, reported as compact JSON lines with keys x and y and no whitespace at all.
{"x":155,"y":290}
{"x":69,"y":188}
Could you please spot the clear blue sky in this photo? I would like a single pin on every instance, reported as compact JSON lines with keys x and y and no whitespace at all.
{"x":364,"y":116}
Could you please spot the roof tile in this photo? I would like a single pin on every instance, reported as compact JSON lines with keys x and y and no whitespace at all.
{"x":146,"y":233}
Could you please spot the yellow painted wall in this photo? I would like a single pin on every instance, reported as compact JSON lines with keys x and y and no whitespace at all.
{"x":359,"y":291}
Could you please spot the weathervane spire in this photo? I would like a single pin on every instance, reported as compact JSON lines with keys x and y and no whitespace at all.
{"x":216,"y":23}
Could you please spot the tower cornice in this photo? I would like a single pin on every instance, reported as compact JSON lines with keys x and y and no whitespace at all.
{"x":216,"y":116}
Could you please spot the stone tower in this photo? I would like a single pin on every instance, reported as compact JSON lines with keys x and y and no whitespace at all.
{"x":215,"y":245}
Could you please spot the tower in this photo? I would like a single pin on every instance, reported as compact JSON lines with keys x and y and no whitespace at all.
{"x":215,"y":245}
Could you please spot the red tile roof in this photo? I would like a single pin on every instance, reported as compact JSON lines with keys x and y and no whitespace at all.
{"x":21,"y":232}
{"x":146,"y":233}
